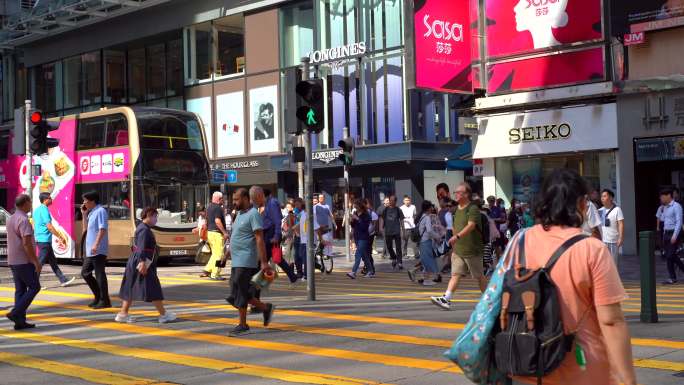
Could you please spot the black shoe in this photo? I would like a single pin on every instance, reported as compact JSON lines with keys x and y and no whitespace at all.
{"x":239,"y":330}
{"x":394,"y":265}
{"x":438,"y":279}
{"x":93,"y":304}
{"x":268,"y":313}
{"x":12,"y":318}
{"x":254,"y":310}
{"x":23,"y":325}
{"x":400,"y":267}
{"x":103,"y":305}
{"x":670,"y":282}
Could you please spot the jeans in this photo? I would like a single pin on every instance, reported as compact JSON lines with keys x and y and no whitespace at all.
{"x":362,"y":253}
{"x":370,"y":254}
{"x":47,"y":255}
{"x":97,"y":284}
{"x":396,"y":239}
{"x":671,"y":256}
{"x":406,"y":240}
{"x":300,"y":258}
{"x":427,"y":257}
{"x":26,"y":287}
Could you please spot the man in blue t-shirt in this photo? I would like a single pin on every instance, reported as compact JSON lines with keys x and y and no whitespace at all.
{"x":246,"y":243}
{"x":95,"y":219}
{"x":44,"y":230}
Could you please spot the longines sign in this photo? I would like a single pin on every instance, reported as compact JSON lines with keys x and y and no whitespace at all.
{"x":539,"y":133}
{"x":338,"y":56}
{"x":326,"y":157}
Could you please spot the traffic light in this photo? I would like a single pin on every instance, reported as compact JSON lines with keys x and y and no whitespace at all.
{"x":311,"y":112}
{"x":40,"y":143}
{"x":347,"y":155}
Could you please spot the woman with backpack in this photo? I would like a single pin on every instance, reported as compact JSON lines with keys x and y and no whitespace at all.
{"x":587,"y":287}
{"x":431,"y":234}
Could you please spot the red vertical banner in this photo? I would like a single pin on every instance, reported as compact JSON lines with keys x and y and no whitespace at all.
{"x":443,"y":46}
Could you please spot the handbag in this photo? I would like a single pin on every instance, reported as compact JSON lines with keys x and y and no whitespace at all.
{"x":473,"y":350}
{"x":276,"y":254}
{"x":203,"y":253}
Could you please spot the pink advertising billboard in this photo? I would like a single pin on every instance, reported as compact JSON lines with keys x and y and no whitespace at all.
{"x":443,"y":45}
{"x":519,"y":26}
{"x":547,"y":71}
{"x":111,"y":164}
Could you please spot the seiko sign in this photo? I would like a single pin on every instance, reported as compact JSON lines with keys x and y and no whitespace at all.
{"x":338,"y":54}
{"x":539,"y":133}
{"x":444,"y":30}
{"x":326,"y":156}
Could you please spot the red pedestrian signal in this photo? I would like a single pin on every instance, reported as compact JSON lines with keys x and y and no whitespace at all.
{"x":40,"y":143}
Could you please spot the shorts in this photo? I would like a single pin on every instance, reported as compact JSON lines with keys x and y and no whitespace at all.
{"x":463,"y":265}
{"x":241,"y":288}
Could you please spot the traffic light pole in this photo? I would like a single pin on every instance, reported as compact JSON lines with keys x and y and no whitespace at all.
{"x":308,"y":199}
{"x":29,"y":155}
{"x":347,"y":225}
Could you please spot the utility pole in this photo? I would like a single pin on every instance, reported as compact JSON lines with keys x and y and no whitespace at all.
{"x":347,"y":225}
{"x":300,"y":170}
{"x":29,"y":155}
{"x":308,"y":200}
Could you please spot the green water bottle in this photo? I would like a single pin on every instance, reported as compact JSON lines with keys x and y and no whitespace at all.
{"x":580,"y":357}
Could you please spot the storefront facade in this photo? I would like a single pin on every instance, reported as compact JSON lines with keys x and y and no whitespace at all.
{"x":520,"y":148}
{"x":651,"y":153}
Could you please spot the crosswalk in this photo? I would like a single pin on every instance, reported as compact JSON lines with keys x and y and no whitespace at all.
{"x":340,"y":340}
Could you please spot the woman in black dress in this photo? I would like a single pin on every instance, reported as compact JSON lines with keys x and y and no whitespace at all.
{"x":140,"y":281}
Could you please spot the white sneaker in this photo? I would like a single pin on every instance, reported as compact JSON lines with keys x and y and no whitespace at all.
{"x":68,"y":283}
{"x":429,"y":282}
{"x":168,"y":317}
{"x":121,"y":318}
{"x":441,"y":302}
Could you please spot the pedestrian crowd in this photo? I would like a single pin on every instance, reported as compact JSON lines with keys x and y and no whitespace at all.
{"x":460,"y":236}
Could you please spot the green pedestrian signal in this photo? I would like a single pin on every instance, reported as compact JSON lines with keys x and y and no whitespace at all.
{"x":310,"y":112}
{"x":310,"y":117}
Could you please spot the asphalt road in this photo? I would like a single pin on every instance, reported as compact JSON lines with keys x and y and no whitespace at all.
{"x":381,"y":330}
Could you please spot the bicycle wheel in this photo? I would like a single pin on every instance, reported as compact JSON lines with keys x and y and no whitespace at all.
{"x":320,"y":262}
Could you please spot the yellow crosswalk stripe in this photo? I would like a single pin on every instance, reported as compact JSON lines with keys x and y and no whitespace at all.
{"x":384,"y":359}
{"x":96,"y":376}
{"x":192,"y":361}
{"x":658,"y":364}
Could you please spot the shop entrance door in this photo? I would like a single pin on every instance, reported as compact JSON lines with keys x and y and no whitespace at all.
{"x":650,"y":178}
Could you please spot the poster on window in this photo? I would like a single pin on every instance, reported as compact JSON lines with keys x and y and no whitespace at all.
{"x":526,"y":179}
{"x":442,"y":45}
{"x":518,"y":26}
{"x":202,"y":107}
{"x":263,"y":113}
{"x":547,"y":71}
{"x":230,"y":124}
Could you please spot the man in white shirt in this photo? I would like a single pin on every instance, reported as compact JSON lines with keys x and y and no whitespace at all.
{"x":409,"y":223}
{"x":592,"y":221}
{"x":612,"y":224}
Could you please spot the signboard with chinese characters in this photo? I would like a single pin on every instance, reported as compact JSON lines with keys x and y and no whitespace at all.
{"x":443,"y":45}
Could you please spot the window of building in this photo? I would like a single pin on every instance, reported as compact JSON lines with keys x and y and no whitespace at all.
{"x":136,"y":75}
{"x":338,"y":23}
{"x":114,"y":197}
{"x":115,"y":75}
{"x":92,"y":78}
{"x":102,"y":131}
{"x":230,"y":49}
{"x":174,"y":68}
{"x":72,"y":70}
{"x":296,"y":32}
{"x":20,"y":85}
{"x":5,"y":143}
{"x":44,"y":87}
{"x":156,"y":71}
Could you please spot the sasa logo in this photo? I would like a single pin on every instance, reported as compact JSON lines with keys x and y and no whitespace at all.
{"x":443,"y":29}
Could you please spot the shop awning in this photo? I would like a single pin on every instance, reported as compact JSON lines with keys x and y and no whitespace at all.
{"x":456,"y":160}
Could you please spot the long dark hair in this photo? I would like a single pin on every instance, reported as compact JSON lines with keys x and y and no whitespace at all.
{"x":425,"y":208}
{"x":557,"y":201}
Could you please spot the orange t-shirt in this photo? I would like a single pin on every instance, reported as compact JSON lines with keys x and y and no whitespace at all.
{"x":585,"y":277}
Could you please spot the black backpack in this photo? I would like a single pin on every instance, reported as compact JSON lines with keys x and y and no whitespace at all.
{"x":531,"y":341}
{"x":484,"y":231}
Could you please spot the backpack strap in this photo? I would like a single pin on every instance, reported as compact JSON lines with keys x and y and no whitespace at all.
{"x":562,"y":249}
